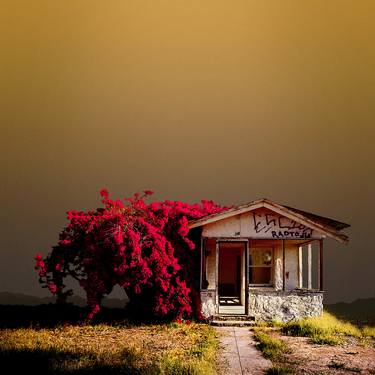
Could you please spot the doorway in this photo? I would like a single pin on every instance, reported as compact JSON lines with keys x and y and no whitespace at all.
{"x":231,"y":277}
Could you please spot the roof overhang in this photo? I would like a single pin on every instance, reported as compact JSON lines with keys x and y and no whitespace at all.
{"x":315,"y":222}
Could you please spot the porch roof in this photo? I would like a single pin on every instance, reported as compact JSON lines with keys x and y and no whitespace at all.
{"x":325,"y":225}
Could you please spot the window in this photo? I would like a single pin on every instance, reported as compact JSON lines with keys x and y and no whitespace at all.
{"x":260,"y":266}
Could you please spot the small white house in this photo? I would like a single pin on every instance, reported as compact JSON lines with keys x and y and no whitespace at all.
{"x":264,"y":260}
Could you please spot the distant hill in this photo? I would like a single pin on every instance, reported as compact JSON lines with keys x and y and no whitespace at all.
{"x":7,"y":298}
{"x":361,"y":309}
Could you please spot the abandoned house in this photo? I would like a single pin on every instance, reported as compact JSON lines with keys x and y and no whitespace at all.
{"x":263,"y":261}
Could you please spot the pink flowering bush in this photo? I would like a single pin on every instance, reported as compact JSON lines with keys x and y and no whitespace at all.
{"x":144,"y":248}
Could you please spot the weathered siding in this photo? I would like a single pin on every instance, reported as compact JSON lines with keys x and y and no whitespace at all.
{"x":243,"y":277}
{"x":291,"y":267}
{"x":262,"y":224}
{"x":278,"y":268}
{"x":211,"y":264}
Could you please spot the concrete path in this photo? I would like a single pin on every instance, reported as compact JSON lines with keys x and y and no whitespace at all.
{"x":239,"y":352}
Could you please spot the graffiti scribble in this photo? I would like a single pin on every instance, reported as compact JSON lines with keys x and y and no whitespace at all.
{"x":280,"y":226}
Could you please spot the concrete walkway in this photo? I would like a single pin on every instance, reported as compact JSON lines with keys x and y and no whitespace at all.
{"x":239,"y":352}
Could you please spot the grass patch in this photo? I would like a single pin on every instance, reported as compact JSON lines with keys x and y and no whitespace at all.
{"x":275,"y":350}
{"x":271,"y":347}
{"x":368,"y":332}
{"x":326,"y":329}
{"x":326,"y":339}
{"x":106,"y":349}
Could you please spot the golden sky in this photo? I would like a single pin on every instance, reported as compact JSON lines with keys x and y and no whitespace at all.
{"x":227,"y":100}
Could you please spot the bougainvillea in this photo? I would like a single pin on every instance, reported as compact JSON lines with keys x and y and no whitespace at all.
{"x":144,"y":248}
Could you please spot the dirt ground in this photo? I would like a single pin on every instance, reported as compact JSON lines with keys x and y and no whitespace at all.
{"x":110,"y":349}
{"x":349,"y":358}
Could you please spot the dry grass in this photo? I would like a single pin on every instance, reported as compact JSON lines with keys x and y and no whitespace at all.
{"x":271,"y":347}
{"x":91,"y":349}
{"x":326,"y":329}
{"x":274,"y":349}
{"x":368,"y":332}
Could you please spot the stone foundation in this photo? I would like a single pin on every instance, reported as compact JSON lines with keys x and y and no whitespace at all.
{"x":267,"y":305}
{"x":208,"y":299}
{"x":285,"y":306}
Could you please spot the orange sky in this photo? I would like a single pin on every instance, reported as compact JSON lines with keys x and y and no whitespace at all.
{"x":195,"y":99}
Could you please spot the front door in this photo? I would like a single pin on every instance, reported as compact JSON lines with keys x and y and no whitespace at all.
{"x":231,"y":277}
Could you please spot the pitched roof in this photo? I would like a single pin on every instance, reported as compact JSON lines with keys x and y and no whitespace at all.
{"x":322,"y":224}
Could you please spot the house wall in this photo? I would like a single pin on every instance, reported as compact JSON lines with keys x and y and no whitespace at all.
{"x":243,"y":277}
{"x":285,"y":306}
{"x":278,"y":267}
{"x":211,"y":264}
{"x":265,"y":303}
{"x":291,"y":267}
{"x":261,"y":223}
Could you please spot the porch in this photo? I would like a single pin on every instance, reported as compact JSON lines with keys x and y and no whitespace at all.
{"x":264,"y":262}
{"x":262,"y":279}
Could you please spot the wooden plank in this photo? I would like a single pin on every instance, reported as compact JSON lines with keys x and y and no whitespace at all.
{"x":309,"y":266}
{"x":300,"y":265}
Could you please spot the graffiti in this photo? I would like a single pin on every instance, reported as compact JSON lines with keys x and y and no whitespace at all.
{"x":279,"y":226}
{"x":288,"y":234}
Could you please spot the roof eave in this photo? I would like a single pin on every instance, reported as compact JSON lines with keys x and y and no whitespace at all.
{"x":226,"y":214}
{"x":328,"y":231}
{"x":282,"y":210}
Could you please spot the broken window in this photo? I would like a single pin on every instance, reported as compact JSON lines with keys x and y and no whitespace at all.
{"x":260,"y":266}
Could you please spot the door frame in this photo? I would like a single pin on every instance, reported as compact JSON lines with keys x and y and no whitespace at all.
{"x":244,"y":264}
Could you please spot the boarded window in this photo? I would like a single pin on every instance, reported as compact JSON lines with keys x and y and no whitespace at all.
{"x":260,"y":266}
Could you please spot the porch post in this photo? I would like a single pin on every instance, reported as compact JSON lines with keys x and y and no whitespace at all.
{"x":283,"y":246}
{"x":217,"y":277}
{"x":309,"y":266}
{"x":300,"y":282}
{"x":321,"y":265}
{"x":202,"y":265}
{"x":247,"y":281}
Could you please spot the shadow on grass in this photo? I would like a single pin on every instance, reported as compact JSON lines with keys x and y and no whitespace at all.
{"x":52,"y":315}
{"x":361,"y":312}
{"x":61,"y":362}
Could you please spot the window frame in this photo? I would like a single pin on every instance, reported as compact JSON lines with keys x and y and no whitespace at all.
{"x":271,"y":266}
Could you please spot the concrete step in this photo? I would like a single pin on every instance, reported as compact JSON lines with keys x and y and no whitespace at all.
{"x":231,"y":317}
{"x":233,"y":323}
